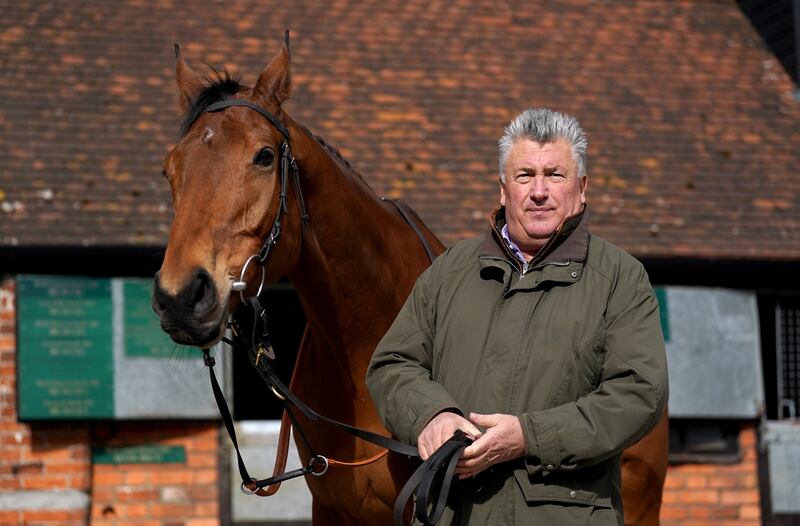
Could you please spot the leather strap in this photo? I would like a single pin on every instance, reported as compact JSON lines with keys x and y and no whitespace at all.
{"x":288,"y":163}
{"x":406,"y":213}
{"x":437,"y":470}
{"x":251,"y":484}
{"x":221,"y":105}
{"x":268,"y":375}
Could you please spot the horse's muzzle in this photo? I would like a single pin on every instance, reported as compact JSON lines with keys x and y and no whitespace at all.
{"x":193,"y":316}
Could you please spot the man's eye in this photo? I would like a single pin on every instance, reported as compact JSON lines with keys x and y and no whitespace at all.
{"x":523,"y":178}
{"x":264,"y":157}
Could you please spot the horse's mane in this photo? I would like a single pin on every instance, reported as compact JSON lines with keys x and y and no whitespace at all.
{"x":223,"y":86}
{"x":328,"y":147}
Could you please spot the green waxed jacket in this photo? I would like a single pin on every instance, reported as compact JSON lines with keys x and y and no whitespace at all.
{"x":572,"y":346}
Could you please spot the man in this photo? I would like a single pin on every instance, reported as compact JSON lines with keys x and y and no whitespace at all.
{"x":540,"y":341}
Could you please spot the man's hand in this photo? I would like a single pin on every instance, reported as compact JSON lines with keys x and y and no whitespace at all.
{"x":502,"y":441}
{"x":440,"y":429}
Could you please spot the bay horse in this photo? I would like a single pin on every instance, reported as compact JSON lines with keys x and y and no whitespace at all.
{"x":352,"y":259}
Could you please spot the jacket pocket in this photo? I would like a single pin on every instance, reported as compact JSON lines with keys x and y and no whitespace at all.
{"x":567,"y":491}
{"x":582,"y":368}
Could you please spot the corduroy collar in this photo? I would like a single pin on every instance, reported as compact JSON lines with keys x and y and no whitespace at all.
{"x":570,"y":241}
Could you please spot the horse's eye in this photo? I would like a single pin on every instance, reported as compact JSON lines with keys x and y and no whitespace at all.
{"x":264,"y":157}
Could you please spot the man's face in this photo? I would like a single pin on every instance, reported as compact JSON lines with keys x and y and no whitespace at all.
{"x":541,"y":189}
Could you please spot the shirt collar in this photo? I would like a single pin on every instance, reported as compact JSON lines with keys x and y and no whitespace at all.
{"x":512,"y":246}
{"x":570,"y":242}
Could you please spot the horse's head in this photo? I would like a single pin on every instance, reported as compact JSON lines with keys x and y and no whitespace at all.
{"x":225,"y":178}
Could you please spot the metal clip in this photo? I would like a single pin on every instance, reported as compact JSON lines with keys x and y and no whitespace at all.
{"x":264,"y":351}
{"x":240,"y":285}
{"x":276,"y":393}
{"x":248,"y":491}
{"x":317,"y":461}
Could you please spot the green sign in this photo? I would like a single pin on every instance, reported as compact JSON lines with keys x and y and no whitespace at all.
{"x":65,"y":330}
{"x":146,"y":454}
{"x":143,"y":334}
{"x":92,"y":348}
{"x":663,"y":308}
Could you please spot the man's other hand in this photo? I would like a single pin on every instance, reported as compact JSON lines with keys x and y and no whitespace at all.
{"x":440,"y":429}
{"x":502,"y":441}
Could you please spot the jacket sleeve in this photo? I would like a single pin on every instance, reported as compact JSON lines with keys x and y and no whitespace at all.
{"x":629,"y":400}
{"x":399,"y":374}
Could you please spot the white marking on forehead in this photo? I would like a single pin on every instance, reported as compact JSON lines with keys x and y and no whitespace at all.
{"x":207,"y":135}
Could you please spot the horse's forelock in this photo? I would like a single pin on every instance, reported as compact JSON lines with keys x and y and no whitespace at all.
{"x":220,"y":86}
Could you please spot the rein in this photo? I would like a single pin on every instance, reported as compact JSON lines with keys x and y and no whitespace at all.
{"x":436,"y":470}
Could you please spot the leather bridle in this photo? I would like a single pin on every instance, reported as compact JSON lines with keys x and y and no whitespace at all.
{"x":287,"y":164}
{"x":253,"y":337}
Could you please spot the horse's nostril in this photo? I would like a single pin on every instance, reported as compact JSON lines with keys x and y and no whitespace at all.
{"x":204,"y":297}
{"x":202,"y":287}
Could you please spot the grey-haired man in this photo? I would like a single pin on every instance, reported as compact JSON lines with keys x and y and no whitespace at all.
{"x":540,"y":341}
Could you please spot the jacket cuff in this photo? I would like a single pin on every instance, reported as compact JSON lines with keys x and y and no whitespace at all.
{"x":425,"y":408}
{"x":541,"y":444}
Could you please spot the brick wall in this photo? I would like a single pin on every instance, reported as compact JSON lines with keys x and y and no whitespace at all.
{"x":47,"y":477}
{"x":44,"y":469}
{"x":715,"y":495}
{"x":159,"y":494}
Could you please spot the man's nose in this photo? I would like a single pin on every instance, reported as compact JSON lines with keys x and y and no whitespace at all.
{"x":539,"y":190}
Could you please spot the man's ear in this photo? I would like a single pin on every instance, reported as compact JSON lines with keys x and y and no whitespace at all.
{"x":502,"y":194}
{"x":584,"y":182}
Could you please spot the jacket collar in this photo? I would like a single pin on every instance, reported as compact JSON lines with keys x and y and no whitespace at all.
{"x":570,"y":241}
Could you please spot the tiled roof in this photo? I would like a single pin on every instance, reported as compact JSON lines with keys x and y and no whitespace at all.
{"x":694,"y":127}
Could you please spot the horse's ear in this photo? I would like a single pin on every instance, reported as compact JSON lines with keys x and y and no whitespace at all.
{"x":275,"y":82}
{"x":190,"y":84}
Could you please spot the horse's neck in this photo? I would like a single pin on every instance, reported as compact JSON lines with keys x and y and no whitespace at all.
{"x":352,"y":274}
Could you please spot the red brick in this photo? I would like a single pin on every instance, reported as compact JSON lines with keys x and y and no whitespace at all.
{"x":698,"y":497}
{"x":750,"y":512}
{"x":739,"y":497}
{"x":9,"y":517}
{"x":672,"y":511}
{"x":49,"y":515}
{"x":171,"y":510}
{"x":716,"y":512}
{"x":108,"y":478}
{"x":723,"y":481}
{"x":135,"y":478}
{"x":202,"y":460}
{"x":206,"y":509}
{"x":44,"y":482}
{"x":696,"y":481}
{"x":103,"y":494}
{"x":174,"y":477}
{"x":132,"y":511}
{"x":135,"y":494}
{"x":204,"y":476}
{"x":674,"y":481}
